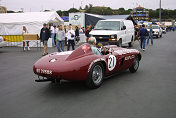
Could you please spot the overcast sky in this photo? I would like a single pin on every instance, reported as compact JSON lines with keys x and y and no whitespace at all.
{"x":38,"y":5}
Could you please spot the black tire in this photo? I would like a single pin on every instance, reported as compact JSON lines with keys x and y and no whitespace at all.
{"x":119,"y":43}
{"x":94,"y":82}
{"x":157,"y":36}
{"x":130,"y":43}
{"x":135,"y":65}
{"x":160,"y":35}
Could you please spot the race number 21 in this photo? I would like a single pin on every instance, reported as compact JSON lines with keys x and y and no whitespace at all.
{"x":111,"y":62}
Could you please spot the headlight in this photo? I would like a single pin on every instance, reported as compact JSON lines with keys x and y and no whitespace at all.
{"x":113,"y":36}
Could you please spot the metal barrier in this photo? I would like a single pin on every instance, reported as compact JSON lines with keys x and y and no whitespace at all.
{"x":17,"y":40}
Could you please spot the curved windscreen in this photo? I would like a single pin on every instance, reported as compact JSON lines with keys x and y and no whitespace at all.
{"x":83,"y":49}
{"x":107,"y":25}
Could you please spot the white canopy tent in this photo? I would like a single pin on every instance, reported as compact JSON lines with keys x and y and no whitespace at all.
{"x":12,"y":23}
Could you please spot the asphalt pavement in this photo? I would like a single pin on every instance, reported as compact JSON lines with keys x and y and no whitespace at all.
{"x":148,"y":93}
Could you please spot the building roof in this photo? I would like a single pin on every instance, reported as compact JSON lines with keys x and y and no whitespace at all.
{"x":115,"y":16}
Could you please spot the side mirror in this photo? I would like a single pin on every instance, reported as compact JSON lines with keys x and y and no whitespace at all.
{"x":124,"y":27}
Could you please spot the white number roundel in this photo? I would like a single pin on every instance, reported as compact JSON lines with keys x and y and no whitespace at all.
{"x":111,"y":62}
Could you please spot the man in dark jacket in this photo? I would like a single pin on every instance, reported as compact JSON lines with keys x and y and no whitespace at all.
{"x":143,"y":33}
{"x":44,"y":36}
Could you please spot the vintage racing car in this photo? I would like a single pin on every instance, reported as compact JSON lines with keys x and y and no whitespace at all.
{"x":83,"y":64}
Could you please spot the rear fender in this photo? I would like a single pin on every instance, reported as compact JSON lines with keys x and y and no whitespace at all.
{"x":101,"y":60}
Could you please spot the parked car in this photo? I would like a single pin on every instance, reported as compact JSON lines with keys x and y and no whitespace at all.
{"x":157,"y":31}
{"x":114,"y":31}
{"x":83,"y":64}
{"x":163,"y":30}
{"x":2,"y":42}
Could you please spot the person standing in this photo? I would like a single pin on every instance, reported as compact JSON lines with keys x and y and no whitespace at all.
{"x":60,"y":39}
{"x":65,"y":29}
{"x":143,"y":33}
{"x":55,"y":32}
{"x":70,"y":38}
{"x":44,"y":36}
{"x":77,"y":38}
{"x":82,"y":30}
{"x":87,"y":33}
{"x":52,"y":34}
{"x":150,"y":35}
{"x":25,"y":31}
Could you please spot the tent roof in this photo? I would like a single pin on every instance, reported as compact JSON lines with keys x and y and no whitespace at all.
{"x":30,"y":17}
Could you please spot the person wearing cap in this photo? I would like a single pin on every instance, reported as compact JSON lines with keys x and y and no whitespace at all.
{"x":44,"y":36}
{"x":143,"y":33}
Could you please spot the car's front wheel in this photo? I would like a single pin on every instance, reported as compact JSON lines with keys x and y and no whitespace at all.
{"x":96,"y":75}
{"x":135,"y":65}
{"x":119,"y":43}
{"x":161,"y":35}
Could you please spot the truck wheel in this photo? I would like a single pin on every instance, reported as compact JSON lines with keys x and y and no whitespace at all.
{"x":135,"y":65}
{"x":130,"y":43}
{"x":157,"y":36}
{"x":119,"y":43}
{"x":96,"y":76}
{"x":161,"y":35}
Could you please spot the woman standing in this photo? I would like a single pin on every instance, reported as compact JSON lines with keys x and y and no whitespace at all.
{"x":60,"y":38}
{"x":25,"y":31}
{"x":87,"y":32}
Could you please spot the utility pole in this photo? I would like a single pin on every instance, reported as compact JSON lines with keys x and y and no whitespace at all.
{"x":160,"y":13}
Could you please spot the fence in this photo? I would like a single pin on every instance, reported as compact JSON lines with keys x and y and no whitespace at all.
{"x":13,"y":40}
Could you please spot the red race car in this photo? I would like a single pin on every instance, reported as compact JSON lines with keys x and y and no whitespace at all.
{"x":83,"y":64}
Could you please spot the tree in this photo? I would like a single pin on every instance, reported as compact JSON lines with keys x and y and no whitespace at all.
{"x":73,"y":10}
{"x":90,"y":5}
{"x":10,"y":11}
{"x":59,"y":12}
{"x":86,"y":7}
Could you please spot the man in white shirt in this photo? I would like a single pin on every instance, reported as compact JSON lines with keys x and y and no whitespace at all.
{"x":70,"y":37}
{"x":52,"y":35}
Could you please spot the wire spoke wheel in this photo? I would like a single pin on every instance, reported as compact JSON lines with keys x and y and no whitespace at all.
{"x":97,"y":74}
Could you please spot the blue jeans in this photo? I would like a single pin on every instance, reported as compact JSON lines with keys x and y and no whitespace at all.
{"x":60,"y":46}
{"x":53,"y":42}
{"x":143,"y":39}
{"x":150,"y":37}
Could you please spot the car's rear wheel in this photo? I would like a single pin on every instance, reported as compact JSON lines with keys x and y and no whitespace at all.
{"x":135,"y":65}
{"x":96,"y":76}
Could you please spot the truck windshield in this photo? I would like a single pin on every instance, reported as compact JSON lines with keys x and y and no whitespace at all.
{"x":107,"y":25}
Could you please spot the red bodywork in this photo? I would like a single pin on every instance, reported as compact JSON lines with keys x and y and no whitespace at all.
{"x":76,"y":65}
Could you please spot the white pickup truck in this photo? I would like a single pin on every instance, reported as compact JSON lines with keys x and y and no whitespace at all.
{"x":114,"y":31}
